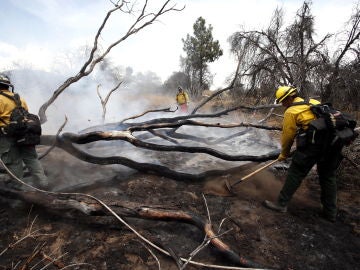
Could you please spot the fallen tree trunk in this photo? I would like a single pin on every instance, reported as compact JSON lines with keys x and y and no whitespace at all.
{"x":65,"y":142}
{"x":83,"y":203}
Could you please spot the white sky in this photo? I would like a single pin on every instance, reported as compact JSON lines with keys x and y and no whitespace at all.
{"x":34,"y":33}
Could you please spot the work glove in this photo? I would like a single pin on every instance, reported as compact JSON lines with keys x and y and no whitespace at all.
{"x":281,"y":157}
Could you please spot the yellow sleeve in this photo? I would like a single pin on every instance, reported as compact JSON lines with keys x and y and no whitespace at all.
{"x":288,"y":134}
{"x":2,"y":111}
{"x":2,"y":107}
{"x":24,"y":104}
{"x":186,"y":97}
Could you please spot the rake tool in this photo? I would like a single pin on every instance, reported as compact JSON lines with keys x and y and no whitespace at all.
{"x":229,"y":186}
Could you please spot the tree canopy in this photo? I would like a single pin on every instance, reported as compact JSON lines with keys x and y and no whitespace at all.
{"x":200,"y":49}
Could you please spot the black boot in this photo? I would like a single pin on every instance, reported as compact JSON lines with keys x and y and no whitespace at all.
{"x":275,"y":206}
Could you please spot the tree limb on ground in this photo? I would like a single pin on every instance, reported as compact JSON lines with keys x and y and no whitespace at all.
{"x":156,"y":169}
{"x":87,"y":205}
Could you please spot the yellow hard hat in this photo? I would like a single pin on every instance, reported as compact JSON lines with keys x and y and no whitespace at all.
{"x":4,"y":79}
{"x":283,"y":92}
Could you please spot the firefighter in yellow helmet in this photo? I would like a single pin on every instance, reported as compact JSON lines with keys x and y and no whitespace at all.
{"x":13,"y":155}
{"x":309,"y":151}
{"x":182,"y":100}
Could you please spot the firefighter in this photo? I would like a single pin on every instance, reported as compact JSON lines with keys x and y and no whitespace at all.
{"x":308,"y":153}
{"x":182,"y":100}
{"x":13,"y":155}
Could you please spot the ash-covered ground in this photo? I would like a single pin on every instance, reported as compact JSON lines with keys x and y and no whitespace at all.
{"x":299,"y":239}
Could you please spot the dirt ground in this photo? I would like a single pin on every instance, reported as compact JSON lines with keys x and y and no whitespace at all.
{"x":299,"y":239}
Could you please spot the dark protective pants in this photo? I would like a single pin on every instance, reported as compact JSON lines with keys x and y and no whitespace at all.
{"x":327,"y":159}
{"x":15,"y":157}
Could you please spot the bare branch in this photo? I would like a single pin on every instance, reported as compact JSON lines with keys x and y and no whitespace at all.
{"x":105,"y":101}
{"x":152,"y":254}
{"x":146,"y":112}
{"x":65,"y":144}
{"x":139,"y":24}
{"x":229,"y":87}
{"x":57,"y":134}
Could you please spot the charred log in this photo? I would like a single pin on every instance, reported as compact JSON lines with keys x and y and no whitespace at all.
{"x":143,"y":167}
{"x":95,"y":136}
{"x":80,"y":202}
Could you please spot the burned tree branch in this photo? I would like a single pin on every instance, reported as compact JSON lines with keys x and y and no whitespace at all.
{"x":204,"y":115}
{"x":229,"y":87}
{"x":190,"y":137}
{"x":143,"y":20}
{"x":146,"y":112}
{"x":126,"y":136}
{"x":106,"y":100}
{"x":65,"y":201}
{"x":200,"y":124}
{"x":67,"y":145}
{"x":53,"y":145}
{"x":163,"y":136}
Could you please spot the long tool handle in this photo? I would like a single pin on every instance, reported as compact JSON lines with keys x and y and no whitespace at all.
{"x":254,"y":172}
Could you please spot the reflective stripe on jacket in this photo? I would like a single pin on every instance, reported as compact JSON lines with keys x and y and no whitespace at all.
{"x":295,"y":117}
{"x":7,"y":105}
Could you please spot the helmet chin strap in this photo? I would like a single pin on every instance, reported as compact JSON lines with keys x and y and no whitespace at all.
{"x":9,"y":86}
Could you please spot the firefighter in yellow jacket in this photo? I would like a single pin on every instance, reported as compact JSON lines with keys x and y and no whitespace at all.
{"x":15,"y":156}
{"x":310,"y":150}
{"x":182,"y":100}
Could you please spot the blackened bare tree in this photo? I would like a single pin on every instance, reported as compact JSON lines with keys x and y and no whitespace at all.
{"x":279,"y":55}
{"x":342,"y":84}
{"x":290,"y":55}
{"x":105,"y":100}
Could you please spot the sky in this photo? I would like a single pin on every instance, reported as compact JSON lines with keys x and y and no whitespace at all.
{"x":41,"y":34}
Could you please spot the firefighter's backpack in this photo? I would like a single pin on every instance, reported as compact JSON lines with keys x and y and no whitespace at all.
{"x":25,"y":127}
{"x":339,"y":125}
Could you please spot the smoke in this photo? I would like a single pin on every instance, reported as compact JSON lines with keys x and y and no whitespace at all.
{"x":137,"y":93}
{"x":80,"y":102}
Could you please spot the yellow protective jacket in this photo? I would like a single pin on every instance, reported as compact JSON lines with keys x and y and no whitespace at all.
{"x":6,"y":107}
{"x":295,"y":117}
{"x":182,"y":98}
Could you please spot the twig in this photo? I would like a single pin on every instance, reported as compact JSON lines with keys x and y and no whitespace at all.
{"x":176,"y":258}
{"x":203,"y":245}
{"x":206,"y":240}
{"x":221,"y":223}
{"x":229,"y":87}
{"x":207,"y":209}
{"x":77,"y":264}
{"x":149,"y":111}
{"x":53,"y":145}
{"x":45,"y":257}
{"x":152,"y":254}
{"x":53,"y":260}
{"x":162,"y":136}
{"x":28,"y":221}
{"x":29,"y":234}
{"x":31,"y":257}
